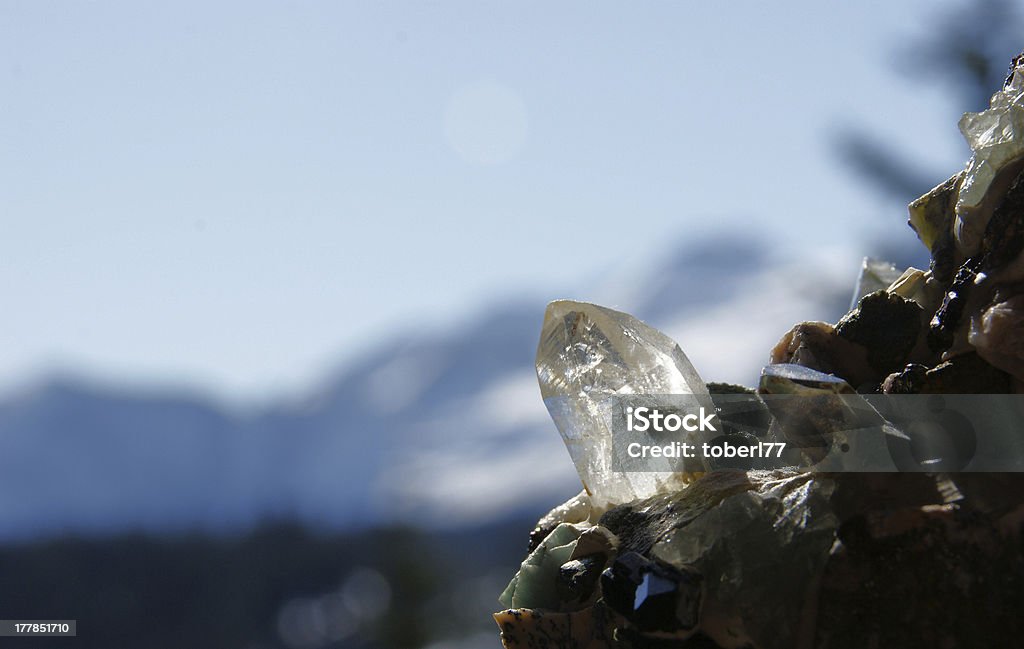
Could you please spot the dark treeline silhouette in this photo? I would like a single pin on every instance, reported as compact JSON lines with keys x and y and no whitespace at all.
{"x":204,"y":592}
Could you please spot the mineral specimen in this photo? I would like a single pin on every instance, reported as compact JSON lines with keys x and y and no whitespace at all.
{"x":820,"y":553}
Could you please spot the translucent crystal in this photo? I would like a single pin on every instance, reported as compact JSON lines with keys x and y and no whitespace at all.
{"x":587,"y":356}
{"x":996,"y":137}
{"x":820,"y":415}
{"x":787,"y":378}
{"x":875,"y":275}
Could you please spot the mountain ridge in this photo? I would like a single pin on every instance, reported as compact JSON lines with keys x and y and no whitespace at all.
{"x":444,"y":429}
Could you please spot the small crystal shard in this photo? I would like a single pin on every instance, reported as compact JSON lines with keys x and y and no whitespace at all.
{"x":875,"y":275}
{"x":587,"y":356}
{"x":787,"y":378}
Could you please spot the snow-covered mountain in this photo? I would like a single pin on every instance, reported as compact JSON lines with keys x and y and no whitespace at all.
{"x":441,"y":430}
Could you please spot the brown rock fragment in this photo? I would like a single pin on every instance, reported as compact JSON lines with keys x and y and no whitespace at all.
{"x":816,"y":346}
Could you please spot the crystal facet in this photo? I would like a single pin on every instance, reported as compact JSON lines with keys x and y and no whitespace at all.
{"x":587,"y":356}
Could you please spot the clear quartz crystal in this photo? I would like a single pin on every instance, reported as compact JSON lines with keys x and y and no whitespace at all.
{"x":587,"y":356}
{"x":875,"y":275}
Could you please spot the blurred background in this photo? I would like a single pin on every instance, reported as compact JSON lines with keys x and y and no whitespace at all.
{"x":272,"y":275}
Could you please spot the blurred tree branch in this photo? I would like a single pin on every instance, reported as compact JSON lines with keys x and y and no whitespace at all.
{"x":969,"y":48}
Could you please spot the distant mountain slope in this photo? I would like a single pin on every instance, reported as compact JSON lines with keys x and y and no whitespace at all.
{"x":443,"y":430}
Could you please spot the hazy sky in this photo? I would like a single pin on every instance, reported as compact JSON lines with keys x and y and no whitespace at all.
{"x":240,"y":195}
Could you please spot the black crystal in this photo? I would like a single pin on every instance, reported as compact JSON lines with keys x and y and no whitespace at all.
{"x":653,"y":596}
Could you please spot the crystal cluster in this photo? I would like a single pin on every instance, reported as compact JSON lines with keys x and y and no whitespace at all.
{"x":709,"y":557}
{"x":996,"y":138}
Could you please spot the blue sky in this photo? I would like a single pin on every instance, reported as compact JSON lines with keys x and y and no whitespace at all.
{"x":239,"y":196}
